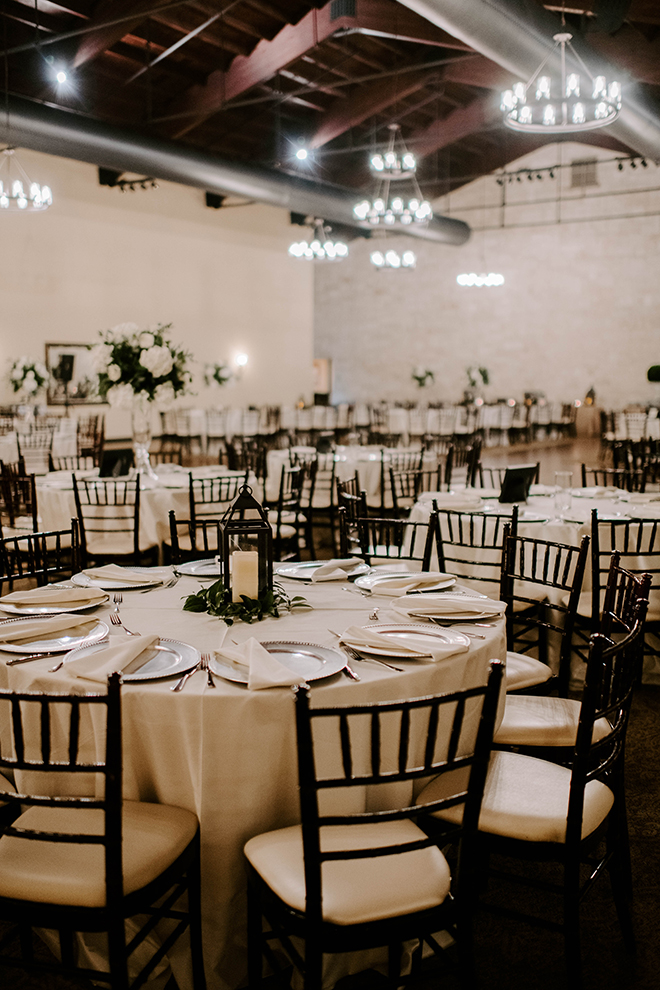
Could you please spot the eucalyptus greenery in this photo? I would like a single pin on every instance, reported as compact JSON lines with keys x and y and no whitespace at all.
{"x":216,"y":600}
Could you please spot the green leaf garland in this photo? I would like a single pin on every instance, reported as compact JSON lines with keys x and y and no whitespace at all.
{"x":216,"y":600}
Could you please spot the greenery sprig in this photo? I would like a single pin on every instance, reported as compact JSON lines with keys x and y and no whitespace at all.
{"x":216,"y":600}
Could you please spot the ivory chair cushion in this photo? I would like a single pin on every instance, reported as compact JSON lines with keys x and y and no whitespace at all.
{"x":357,"y":890}
{"x":5,"y":785}
{"x":154,"y":835}
{"x":527,"y":799}
{"x":524,"y":672}
{"x":533,"y":720}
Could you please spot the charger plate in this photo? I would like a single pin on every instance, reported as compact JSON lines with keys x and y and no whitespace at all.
{"x":373,"y":582}
{"x":307,"y":659}
{"x":170,"y":659}
{"x":206,"y":568}
{"x":303,"y":571}
{"x":398,"y":630}
{"x":107,"y":584}
{"x":54,"y":643}
{"x":12,"y":609}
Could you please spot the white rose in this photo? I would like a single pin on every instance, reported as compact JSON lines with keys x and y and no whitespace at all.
{"x":30,"y":385}
{"x":120,"y":396}
{"x":100,"y":357}
{"x":16,"y":374}
{"x":124,"y":329}
{"x":157,"y":360}
{"x":164,"y":396}
{"x":114,"y":372}
{"x":146,"y":339}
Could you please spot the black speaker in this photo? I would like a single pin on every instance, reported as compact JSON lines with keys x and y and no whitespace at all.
{"x":64,"y":371}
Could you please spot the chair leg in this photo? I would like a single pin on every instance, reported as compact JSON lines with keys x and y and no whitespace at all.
{"x":313,"y":967}
{"x":195,"y":920}
{"x":394,"y":963}
{"x":118,"y":963}
{"x":254,"y":923}
{"x":572,"y":924}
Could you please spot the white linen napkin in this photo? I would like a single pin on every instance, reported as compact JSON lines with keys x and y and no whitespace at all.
{"x":401,"y":584}
{"x":448,"y":605}
{"x":116,"y":656}
{"x":407,"y":645}
{"x":335,"y":570}
{"x":112,"y":572}
{"x":460,"y":501}
{"x":52,"y":595}
{"x":264,"y":670}
{"x":31,"y":629}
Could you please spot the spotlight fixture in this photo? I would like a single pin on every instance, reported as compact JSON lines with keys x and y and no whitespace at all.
{"x":302,"y":154}
{"x":564,"y":104}
{"x":392,"y":260}
{"x":480,"y":281}
{"x":321,"y":247}
{"x":60,"y":77}
{"x":13,"y":196}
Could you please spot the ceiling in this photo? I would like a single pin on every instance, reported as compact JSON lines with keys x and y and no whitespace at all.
{"x":252,"y":80}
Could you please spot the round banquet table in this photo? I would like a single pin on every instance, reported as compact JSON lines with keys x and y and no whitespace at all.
{"x":229,"y":754}
{"x":538,"y":519}
{"x":57,"y":504}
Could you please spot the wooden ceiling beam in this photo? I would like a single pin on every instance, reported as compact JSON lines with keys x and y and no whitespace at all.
{"x":367,"y":100}
{"x":291,"y":43}
{"x":460,"y":123}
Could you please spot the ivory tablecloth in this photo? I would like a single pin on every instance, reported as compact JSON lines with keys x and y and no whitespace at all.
{"x":229,"y":754}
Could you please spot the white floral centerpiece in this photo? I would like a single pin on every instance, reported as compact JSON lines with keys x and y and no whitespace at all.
{"x":423,"y":376}
{"x":28,"y":376}
{"x":217,"y":375}
{"x":138,"y":369}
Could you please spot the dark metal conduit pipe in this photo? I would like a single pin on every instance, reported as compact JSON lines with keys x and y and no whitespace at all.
{"x":68,"y":135}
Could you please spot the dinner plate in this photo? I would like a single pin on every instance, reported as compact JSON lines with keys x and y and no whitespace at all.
{"x":407,"y":606}
{"x":303,"y":571}
{"x":597,"y":491}
{"x":310,"y":661}
{"x":371,"y":582}
{"x":640,"y":498}
{"x":206,"y":568}
{"x":395,"y":630}
{"x":170,"y":659}
{"x":54,"y":644}
{"x":13,"y":609}
{"x":84,"y":581}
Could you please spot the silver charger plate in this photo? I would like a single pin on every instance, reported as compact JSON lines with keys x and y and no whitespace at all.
{"x":303,"y":571}
{"x":306,"y":659}
{"x":54,"y":644}
{"x":371,"y":582}
{"x":170,"y":659}
{"x":397,"y":630}
{"x":206,"y":568}
{"x":84,"y":581}
{"x":26,"y":610}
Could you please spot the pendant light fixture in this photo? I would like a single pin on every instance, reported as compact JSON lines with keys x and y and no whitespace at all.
{"x":320,"y":247}
{"x":564,"y":102}
{"x":398,"y":209}
{"x":17,"y":192}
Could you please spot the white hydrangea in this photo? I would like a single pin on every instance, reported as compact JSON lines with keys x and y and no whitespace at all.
{"x":100,"y":357}
{"x":146,"y":339}
{"x":16,"y":373}
{"x":124,"y":330}
{"x":114,"y":372}
{"x":120,"y":396}
{"x":30,"y":383}
{"x":157,"y":360}
{"x":164,"y":396}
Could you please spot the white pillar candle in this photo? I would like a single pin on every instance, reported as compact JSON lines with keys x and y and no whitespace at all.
{"x":244,"y":574}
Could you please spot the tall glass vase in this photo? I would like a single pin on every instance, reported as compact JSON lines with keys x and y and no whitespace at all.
{"x":141,"y":427}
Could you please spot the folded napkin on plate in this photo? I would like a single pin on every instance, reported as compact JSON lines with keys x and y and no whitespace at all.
{"x":31,"y":629}
{"x":448,"y":605}
{"x":460,"y":501}
{"x":52,"y":595}
{"x":264,"y":670}
{"x":408,"y":645}
{"x":641,"y":498}
{"x":335,"y":570}
{"x":116,"y":656}
{"x":401,"y":584}
{"x":112,"y":572}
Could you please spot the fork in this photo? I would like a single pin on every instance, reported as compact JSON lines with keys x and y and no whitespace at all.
{"x":354,"y":655}
{"x":117,"y":599}
{"x":206,"y":660}
{"x":115,"y":619}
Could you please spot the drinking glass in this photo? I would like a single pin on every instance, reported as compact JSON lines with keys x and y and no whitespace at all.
{"x":563,"y":486}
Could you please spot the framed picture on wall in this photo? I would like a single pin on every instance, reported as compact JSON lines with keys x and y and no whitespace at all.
{"x":72,"y":378}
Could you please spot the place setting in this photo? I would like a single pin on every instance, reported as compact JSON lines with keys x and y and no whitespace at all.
{"x":275,"y":663}
{"x":404,"y":641}
{"x":313,"y":571}
{"x":38,"y":636}
{"x":112,"y":577}
{"x":52,"y":599}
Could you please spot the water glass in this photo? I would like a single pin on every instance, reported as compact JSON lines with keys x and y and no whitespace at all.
{"x":563,"y":486}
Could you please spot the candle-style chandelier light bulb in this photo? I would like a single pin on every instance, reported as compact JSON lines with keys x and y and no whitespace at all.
{"x":321,"y":247}
{"x":20,"y":194}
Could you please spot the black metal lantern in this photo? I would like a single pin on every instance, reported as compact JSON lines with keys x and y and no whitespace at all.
{"x":244,"y":533}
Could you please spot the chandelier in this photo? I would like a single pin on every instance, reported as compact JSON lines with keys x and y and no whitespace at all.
{"x":384,"y":260}
{"x":395,"y":210}
{"x":397,"y":162}
{"x":480,"y":281}
{"x":320,"y":248}
{"x":561,"y":105}
{"x":20,"y":194}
